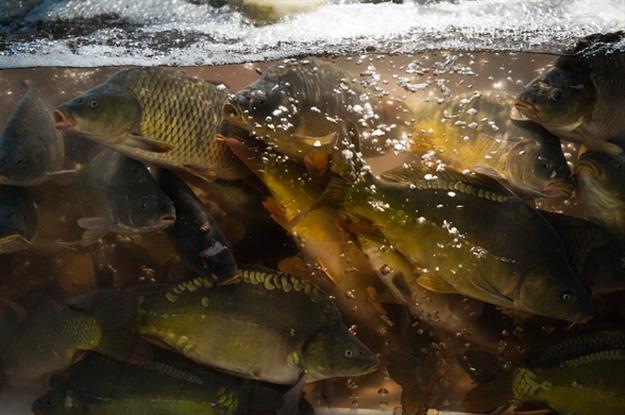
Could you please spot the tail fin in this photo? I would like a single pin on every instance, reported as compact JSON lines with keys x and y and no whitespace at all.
{"x":115,"y":315}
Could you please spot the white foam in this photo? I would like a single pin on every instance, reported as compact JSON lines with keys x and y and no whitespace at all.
{"x":175,"y":32}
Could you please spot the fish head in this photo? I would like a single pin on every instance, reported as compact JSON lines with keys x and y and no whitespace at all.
{"x":59,"y":401}
{"x":151,"y":210}
{"x":23,"y":159}
{"x":107,"y":110}
{"x":552,"y":289}
{"x":335,"y":352}
{"x":535,"y":163}
{"x":558,"y":99}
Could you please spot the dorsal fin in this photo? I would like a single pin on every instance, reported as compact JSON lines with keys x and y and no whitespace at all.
{"x":448,"y":179}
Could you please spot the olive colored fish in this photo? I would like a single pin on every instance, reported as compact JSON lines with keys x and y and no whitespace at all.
{"x":18,"y":219}
{"x":465,"y":234}
{"x":581,"y":97}
{"x":454,"y":314}
{"x":199,"y":242}
{"x":124,"y":198}
{"x":262,"y":12}
{"x":600,"y":187}
{"x":32,"y":150}
{"x":594,"y":253}
{"x":585,"y":383}
{"x":296,"y":106}
{"x":319,"y":236}
{"x":268,"y":326}
{"x":475,"y":132}
{"x":99,"y":385}
{"x":54,"y":334}
{"x":156,"y":115}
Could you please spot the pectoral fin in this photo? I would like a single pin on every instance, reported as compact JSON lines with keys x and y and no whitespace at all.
{"x":63,"y":177}
{"x":147,"y":144}
{"x":435,"y":283}
{"x":317,"y":163}
{"x":95,"y":222}
{"x":316,"y":142}
{"x":276,"y":212}
{"x":488,"y":289}
{"x":13,"y":243}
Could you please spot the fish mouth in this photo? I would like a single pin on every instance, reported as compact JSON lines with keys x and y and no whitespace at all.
{"x":234,"y":115}
{"x":589,"y":168}
{"x":557,"y":190}
{"x":164,"y":221}
{"x":63,"y":121}
{"x":527,"y":109}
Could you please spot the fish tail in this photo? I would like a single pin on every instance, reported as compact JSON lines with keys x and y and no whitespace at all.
{"x":115,"y":318}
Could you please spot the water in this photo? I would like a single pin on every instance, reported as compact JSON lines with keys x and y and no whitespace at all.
{"x":430,"y":55}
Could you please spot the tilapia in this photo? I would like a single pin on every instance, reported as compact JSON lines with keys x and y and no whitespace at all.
{"x":55,"y":333}
{"x":99,"y":385}
{"x":199,"y":242}
{"x":475,"y":132}
{"x":296,"y":107}
{"x":600,"y":187}
{"x":32,"y":150}
{"x":465,"y":234}
{"x":581,"y":98}
{"x":267,"y":326}
{"x":159,"y":116}
{"x":124,"y":198}
{"x":18,"y":219}
{"x":580,"y":380}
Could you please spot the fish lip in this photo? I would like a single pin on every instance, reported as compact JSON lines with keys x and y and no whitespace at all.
{"x":63,"y":121}
{"x":556,"y":190}
{"x":589,"y":167}
{"x":527,"y":109}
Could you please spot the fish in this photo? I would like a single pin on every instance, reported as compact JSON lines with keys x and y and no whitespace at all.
{"x":18,"y":219}
{"x":579,"y":99}
{"x":321,"y":239}
{"x":159,"y":116}
{"x":475,"y":132}
{"x":266,"y":325}
{"x":296,"y":107}
{"x":124,"y":197}
{"x":55,"y":333}
{"x":196,"y":235}
{"x":579,"y":380}
{"x":32,"y":150}
{"x":594,"y":253}
{"x":101,"y":385}
{"x":465,"y":234}
{"x":457,"y":315}
{"x":600,"y":189}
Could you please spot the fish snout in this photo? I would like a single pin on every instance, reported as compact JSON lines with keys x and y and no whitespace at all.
{"x":63,"y":120}
{"x":558,"y":190}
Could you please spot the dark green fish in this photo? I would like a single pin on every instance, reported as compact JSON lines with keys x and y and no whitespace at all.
{"x":18,"y":219}
{"x":54,"y":334}
{"x":464,"y":234}
{"x":124,"y":198}
{"x":159,"y":116}
{"x":268,"y":326}
{"x":581,"y":97}
{"x":32,"y":150}
{"x":199,"y":242}
{"x":594,"y":253}
{"x":297,"y":106}
{"x":581,"y":375}
{"x":169,"y":385}
{"x":600,"y":187}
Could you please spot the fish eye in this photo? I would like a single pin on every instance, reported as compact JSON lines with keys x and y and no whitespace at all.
{"x":93,"y":103}
{"x":349,"y":354}
{"x":566,"y":296}
{"x":555,"y":95}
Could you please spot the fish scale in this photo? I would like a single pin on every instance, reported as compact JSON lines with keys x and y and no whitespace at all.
{"x":185,"y":113}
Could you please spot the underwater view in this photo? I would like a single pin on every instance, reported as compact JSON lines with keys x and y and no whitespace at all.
{"x":270,"y":207}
